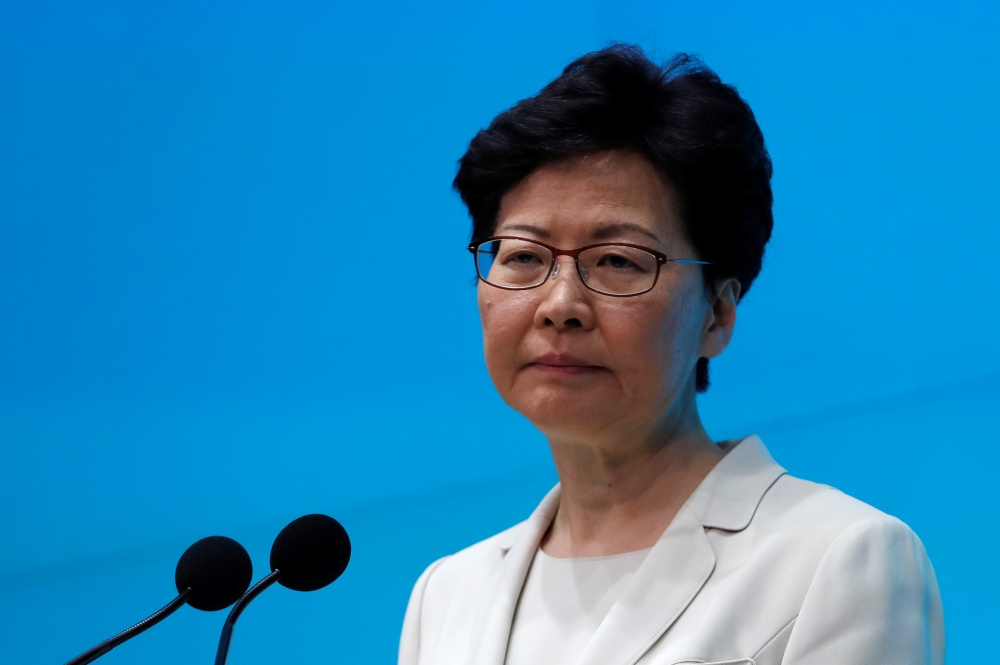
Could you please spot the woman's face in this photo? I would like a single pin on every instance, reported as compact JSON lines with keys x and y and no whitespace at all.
{"x":577,"y":363}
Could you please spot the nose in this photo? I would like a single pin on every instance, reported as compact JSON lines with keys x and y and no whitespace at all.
{"x":566,"y":303}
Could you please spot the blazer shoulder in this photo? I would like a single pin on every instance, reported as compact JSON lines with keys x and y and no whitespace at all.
{"x":465,"y":570}
{"x":806,"y":519}
{"x":450,"y":584}
{"x":475,"y":561}
{"x":793,"y":503}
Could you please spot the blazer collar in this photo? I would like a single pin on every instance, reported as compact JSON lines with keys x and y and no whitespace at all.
{"x":669,"y":578}
{"x":729,"y":495}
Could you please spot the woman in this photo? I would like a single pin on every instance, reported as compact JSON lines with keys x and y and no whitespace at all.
{"x":619,"y":216}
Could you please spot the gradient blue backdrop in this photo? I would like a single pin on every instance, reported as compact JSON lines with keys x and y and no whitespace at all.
{"x":209,"y":322}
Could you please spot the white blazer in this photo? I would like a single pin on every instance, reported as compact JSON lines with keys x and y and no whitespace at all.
{"x":758,"y":567}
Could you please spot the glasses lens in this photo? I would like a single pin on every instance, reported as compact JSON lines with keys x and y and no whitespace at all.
{"x":618,"y":270}
{"x":513,"y":263}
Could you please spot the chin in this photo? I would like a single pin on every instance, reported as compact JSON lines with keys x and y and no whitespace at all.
{"x":566,"y":412}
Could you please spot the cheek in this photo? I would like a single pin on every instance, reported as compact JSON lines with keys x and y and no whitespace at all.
{"x":505,"y":322}
{"x":641,"y":339}
{"x":656,"y":342}
{"x":680,"y":334}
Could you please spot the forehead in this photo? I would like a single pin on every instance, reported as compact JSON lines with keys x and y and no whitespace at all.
{"x":609,"y":194}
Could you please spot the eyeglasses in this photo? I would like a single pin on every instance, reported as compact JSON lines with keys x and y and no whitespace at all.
{"x":612,"y":269}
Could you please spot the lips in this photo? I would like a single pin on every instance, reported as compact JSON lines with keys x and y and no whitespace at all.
{"x":563,"y":364}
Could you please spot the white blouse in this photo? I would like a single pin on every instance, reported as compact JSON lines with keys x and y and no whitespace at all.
{"x":562,"y":604}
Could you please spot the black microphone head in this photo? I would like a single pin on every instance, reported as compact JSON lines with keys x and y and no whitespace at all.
{"x":217,"y":570}
{"x":311,"y":552}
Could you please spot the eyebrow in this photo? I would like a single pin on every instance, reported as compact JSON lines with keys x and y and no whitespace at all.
{"x":530,"y":228}
{"x":611,"y":230}
{"x":602,"y":233}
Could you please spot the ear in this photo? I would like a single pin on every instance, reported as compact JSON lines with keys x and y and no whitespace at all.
{"x":720,"y":320}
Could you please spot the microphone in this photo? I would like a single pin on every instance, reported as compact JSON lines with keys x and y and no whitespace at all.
{"x":211,"y":575}
{"x":310,"y":553}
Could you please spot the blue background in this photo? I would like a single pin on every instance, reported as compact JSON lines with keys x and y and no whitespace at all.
{"x":187,"y":346}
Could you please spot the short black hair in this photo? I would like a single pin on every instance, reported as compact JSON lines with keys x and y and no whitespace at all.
{"x":693,"y":127}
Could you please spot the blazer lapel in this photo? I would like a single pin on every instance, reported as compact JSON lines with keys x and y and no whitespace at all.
{"x":667,"y":581}
{"x":491,"y":629}
{"x":682,"y":560}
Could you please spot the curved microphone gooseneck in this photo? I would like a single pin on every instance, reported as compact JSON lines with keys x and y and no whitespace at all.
{"x":310,"y":553}
{"x":210,"y":575}
{"x":156,"y":617}
{"x":227,"y":628}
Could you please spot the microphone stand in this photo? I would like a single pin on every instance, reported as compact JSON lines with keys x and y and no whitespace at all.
{"x":227,"y":629}
{"x":156,"y":617}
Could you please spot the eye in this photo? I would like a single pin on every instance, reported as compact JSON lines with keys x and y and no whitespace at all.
{"x":525,"y":257}
{"x":522,"y":257}
{"x":616,"y":261}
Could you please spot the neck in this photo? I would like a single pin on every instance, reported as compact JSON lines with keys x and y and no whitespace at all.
{"x":621,"y":490}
